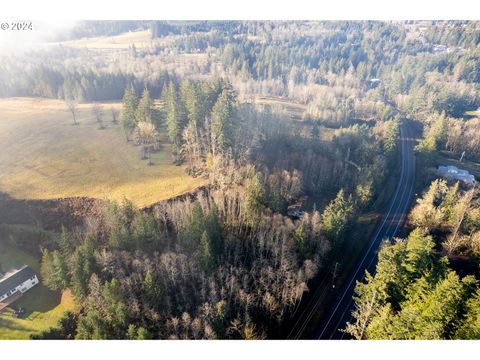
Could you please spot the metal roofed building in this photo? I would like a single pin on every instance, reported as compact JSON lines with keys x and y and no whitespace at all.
{"x":453,"y":173}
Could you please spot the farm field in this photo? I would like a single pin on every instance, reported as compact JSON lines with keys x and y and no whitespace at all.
{"x":141,"y":39}
{"x":294,"y":110}
{"x":43,"y":307}
{"x":45,"y":156}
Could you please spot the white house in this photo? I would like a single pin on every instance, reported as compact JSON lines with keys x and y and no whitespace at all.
{"x":454,"y":173}
{"x":16,"y":282}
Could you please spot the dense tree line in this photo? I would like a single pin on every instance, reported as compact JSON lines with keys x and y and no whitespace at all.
{"x":141,"y":121}
{"x":326,"y":65}
{"x":61,"y":83}
{"x":163,"y":28}
{"x":458,"y":136}
{"x":332,"y":73}
{"x":200,"y":120}
{"x":456,"y":33}
{"x":209,"y":129}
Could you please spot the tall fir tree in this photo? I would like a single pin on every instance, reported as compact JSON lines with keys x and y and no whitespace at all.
{"x":336,"y":217}
{"x":127,"y":115}
{"x":175,"y":120}
{"x":222,"y":122}
{"x":145,"y":111}
{"x":206,"y":257}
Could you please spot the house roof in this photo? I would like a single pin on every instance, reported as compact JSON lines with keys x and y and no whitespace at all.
{"x":14,"y":278}
{"x":456,"y":173}
{"x":294,"y":206}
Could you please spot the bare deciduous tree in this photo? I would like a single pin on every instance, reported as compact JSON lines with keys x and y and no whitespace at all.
{"x":114,"y":116}
{"x":98,"y":113}
{"x":191,"y":146}
{"x":146,"y":135}
{"x":72,"y":107}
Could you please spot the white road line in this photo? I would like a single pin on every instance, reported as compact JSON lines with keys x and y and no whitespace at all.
{"x":410,"y":191}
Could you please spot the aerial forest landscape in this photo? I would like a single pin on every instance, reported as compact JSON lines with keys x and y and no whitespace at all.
{"x":241,"y":180}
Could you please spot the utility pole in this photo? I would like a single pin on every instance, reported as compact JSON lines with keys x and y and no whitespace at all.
{"x":334,"y":274}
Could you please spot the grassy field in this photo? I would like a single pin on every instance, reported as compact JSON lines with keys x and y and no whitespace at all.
{"x":43,"y":155}
{"x":295,"y":110}
{"x":141,"y":39}
{"x":43,"y":307}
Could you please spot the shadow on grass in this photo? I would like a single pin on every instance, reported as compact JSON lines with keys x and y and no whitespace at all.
{"x":38,"y":299}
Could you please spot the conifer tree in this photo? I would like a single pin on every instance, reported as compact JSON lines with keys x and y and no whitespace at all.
{"x":145,"y":110}
{"x":192,"y":98}
{"x":391,"y":141}
{"x":54,"y":270}
{"x":336,"y":217}
{"x":175,"y":120}
{"x":222,"y":123}
{"x":127,"y":115}
{"x":206,"y":257}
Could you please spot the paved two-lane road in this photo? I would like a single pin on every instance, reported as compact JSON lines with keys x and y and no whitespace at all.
{"x":340,"y":313}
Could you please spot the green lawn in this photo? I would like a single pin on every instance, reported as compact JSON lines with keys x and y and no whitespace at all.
{"x":44,"y":156}
{"x":295,"y":110}
{"x":43,"y":307}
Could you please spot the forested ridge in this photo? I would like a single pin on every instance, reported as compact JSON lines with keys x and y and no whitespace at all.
{"x":274,"y":58}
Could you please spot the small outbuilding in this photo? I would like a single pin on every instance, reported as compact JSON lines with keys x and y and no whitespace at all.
{"x":295,"y":211}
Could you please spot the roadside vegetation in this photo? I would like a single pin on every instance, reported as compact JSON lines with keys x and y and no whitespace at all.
{"x":425,"y":286}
